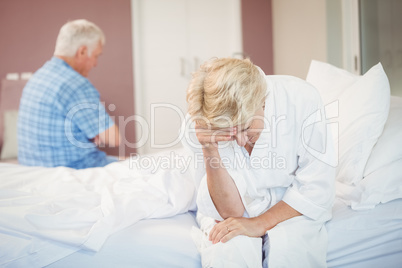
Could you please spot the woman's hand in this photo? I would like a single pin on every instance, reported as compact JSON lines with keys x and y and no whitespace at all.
{"x":231,"y":227}
{"x":209,"y":137}
{"x":254,"y":227}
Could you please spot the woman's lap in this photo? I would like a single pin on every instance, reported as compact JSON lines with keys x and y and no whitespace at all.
{"x":298,"y":242}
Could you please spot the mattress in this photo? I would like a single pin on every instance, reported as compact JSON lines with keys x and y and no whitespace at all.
{"x":370,"y":238}
{"x":367,"y":238}
{"x":162,"y":242}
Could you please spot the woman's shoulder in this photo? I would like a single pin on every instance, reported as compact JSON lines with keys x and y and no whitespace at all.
{"x":293,"y":89}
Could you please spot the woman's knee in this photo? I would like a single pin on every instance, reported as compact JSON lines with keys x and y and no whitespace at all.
{"x":240,"y":251}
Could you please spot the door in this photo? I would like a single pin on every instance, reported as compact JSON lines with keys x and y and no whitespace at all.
{"x":381,"y":38}
{"x":172,"y":38}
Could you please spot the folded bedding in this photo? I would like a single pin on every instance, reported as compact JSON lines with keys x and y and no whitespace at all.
{"x":164,"y":242}
{"x":66,"y":210}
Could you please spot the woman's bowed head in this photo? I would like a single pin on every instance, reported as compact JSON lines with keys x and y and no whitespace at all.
{"x":226,"y":100}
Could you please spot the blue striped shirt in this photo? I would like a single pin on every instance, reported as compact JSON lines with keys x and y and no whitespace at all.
{"x":60,"y":112}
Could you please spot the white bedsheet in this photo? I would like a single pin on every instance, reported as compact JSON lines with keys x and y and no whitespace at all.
{"x":148,"y":243}
{"x":48,"y":213}
{"x":357,"y":239}
{"x":367,"y":238}
{"x":68,"y":210}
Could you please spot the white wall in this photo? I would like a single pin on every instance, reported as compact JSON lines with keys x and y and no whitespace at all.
{"x":299,"y":34}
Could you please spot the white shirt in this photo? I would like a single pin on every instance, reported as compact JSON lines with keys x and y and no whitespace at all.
{"x":291,"y":161}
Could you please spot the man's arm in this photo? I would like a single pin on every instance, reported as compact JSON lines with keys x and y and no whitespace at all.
{"x":109,"y":137}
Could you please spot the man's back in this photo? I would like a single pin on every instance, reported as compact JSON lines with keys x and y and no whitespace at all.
{"x":59,"y":113}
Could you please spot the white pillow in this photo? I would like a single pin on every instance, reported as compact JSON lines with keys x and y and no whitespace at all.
{"x":389,"y":146}
{"x":363,"y":105}
{"x":10,"y":145}
{"x":330,"y":81}
{"x":381,"y":186}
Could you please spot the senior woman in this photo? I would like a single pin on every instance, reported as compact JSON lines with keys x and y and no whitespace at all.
{"x":266,"y":186}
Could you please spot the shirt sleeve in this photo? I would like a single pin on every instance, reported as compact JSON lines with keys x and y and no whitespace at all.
{"x":312,"y":192}
{"x":85,"y":110}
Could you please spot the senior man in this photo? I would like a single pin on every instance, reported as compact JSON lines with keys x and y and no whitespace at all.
{"x":61,"y":119}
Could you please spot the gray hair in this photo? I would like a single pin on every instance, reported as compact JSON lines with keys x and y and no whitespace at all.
{"x":75,"y":34}
{"x":226,"y":88}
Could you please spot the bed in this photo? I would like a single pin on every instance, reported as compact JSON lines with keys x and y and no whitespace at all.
{"x":125,"y":215}
{"x":357,"y":239}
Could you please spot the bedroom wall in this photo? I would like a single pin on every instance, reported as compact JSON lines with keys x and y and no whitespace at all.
{"x":28,"y":31}
{"x":257,"y":33}
{"x":299,"y":35}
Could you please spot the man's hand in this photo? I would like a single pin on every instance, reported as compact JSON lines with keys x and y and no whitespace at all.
{"x":110,"y":137}
{"x":96,"y":140}
{"x":231,"y":227}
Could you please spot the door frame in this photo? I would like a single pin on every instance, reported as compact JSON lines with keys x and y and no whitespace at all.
{"x":351,"y":36}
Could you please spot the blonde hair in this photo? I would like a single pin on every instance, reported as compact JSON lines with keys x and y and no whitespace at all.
{"x":75,"y":34}
{"x":226,"y":92}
